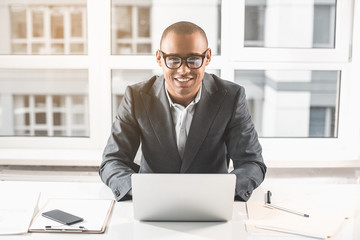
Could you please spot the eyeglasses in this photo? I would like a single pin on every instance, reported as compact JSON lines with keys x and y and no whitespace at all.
{"x":193,"y":61}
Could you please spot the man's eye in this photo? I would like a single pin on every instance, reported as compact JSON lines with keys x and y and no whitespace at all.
{"x":174,"y":59}
{"x":193,"y":59}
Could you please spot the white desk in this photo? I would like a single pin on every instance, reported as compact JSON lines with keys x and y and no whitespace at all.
{"x":122,"y":226}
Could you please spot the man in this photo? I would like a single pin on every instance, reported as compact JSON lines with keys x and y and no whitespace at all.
{"x":186,"y":120}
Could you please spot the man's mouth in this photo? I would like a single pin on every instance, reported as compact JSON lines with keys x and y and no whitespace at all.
{"x":183,"y":79}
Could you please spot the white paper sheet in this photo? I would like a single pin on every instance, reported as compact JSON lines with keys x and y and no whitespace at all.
{"x":16,"y":211}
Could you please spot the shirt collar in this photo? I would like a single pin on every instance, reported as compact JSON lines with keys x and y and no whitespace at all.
{"x":196,"y":100}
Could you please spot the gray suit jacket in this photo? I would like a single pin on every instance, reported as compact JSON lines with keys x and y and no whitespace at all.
{"x":221,"y":129}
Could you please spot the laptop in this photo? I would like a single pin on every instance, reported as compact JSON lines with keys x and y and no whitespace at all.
{"x":183,"y":197}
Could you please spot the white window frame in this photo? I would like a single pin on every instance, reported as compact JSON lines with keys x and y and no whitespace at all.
{"x":343,"y":151}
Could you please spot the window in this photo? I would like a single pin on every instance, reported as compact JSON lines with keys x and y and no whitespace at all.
{"x":44,"y":29}
{"x":49,"y":103}
{"x":292,"y":103}
{"x":131,"y":32}
{"x":64,"y":67}
{"x":50,"y":115}
{"x":137,"y":25}
{"x":301,"y":24}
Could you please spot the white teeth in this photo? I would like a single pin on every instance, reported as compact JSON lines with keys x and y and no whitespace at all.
{"x":183,"y":79}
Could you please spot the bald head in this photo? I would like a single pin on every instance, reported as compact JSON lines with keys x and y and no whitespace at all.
{"x":183,"y":28}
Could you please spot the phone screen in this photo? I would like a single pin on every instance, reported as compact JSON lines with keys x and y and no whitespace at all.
{"x":62,"y":217}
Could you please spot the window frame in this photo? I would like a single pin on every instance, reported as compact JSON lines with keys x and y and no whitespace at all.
{"x":342,"y":151}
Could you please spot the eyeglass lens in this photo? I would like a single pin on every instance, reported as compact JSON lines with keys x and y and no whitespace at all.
{"x":191,"y":62}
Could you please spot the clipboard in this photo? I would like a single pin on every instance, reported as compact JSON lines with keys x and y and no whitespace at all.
{"x":96,"y":213}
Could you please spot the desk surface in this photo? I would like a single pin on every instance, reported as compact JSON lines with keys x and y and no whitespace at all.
{"x":123,"y":226}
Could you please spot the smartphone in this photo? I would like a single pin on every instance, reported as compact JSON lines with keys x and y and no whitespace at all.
{"x":62,"y":217}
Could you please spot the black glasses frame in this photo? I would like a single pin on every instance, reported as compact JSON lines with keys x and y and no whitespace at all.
{"x":184,"y":59}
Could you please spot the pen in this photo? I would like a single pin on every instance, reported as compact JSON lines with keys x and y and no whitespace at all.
{"x":286,"y":210}
{"x":268,"y":204}
{"x":283,"y":230}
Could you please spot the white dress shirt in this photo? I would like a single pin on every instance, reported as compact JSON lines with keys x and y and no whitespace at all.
{"x":182,"y":117}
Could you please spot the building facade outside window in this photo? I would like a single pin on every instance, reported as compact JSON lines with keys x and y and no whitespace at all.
{"x":50,"y":115}
{"x":131,"y":29}
{"x":292,"y":103}
{"x":295,"y":24}
{"x":46,"y":29}
{"x":137,"y":25}
{"x":48,"y":102}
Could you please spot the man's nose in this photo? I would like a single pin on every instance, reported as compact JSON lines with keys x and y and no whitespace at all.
{"x":183,"y":68}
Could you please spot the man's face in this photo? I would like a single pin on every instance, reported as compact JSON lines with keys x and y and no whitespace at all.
{"x":183,"y":83}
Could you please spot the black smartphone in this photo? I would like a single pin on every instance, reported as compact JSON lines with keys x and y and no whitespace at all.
{"x":62,"y":217}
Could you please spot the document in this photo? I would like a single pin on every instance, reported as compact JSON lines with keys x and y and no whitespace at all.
{"x":324,"y":220}
{"x":16,"y":212}
{"x":95,"y":213}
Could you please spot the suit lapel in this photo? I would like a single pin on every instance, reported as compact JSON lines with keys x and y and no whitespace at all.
{"x":158,"y":110}
{"x":205,"y":113}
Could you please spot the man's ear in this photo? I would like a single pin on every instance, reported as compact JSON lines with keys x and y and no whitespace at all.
{"x":208,"y":57}
{"x":158,"y":57}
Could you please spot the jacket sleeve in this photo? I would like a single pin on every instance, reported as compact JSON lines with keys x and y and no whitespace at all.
{"x":244,"y":149}
{"x":118,"y":157}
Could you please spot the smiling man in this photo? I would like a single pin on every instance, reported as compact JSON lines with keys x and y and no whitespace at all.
{"x":186,"y":120}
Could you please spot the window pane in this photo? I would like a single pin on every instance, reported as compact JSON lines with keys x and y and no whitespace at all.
{"x":57,"y":48}
{"x":38,"y":48}
{"x":38,"y":23}
{"x":18,"y":22}
{"x":144,"y":48}
{"x":59,"y":119}
{"x":324,"y":22}
{"x":292,"y":103}
{"x":124,"y":21}
{"x":57,"y":25}
{"x":76,"y":24}
{"x":40,"y":101}
{"x":77,"y":48}
{"x":254,"y":26}
{"x":40,"y":118}
{"x":144,"y":22}
{"x":290,"y":24}
{"x":49,"y":102}
{"x":43,"y":28}
{"x":137,"y":26}
{"x":19,"y":48}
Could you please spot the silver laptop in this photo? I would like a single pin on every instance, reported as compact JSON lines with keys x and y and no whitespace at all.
{"x":183,"y":197}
